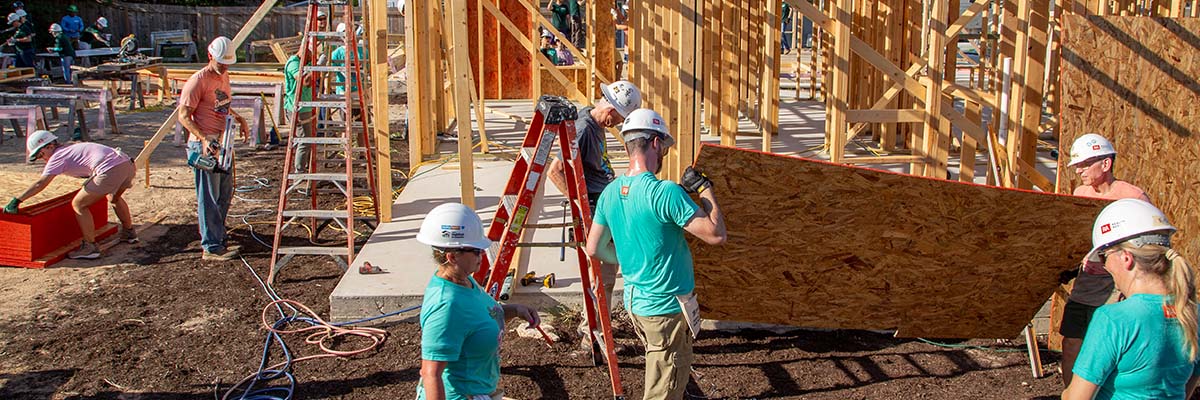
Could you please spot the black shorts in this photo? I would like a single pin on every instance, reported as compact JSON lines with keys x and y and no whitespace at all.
{"x":593,"y":199}
{"x":1075,"y":319}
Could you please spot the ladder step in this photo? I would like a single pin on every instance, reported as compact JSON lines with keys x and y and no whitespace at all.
{"x":322,"y":177}
{"x":315,"y":250}
{"x":322,"y":214}
{"x":323,"y":104}
{"x":326,"y":34}
{"x":331,"y":122}
{"x":319,"y":140}
{"x":510,"y":202}
{"x":325,"y":68}
{"x":331,"y":2}
{"x":340,"y":161}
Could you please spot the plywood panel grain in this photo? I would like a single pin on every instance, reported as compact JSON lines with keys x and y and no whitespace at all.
{"x":822,"y":245}
{"x":1135,"y":81}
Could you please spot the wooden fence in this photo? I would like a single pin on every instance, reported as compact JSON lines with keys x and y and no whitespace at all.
{"x":205,"y":23}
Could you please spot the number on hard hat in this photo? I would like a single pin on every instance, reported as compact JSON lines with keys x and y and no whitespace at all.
{"x":645,"y":123}
{"x":36,"y":141}
{"x":453,"y":225}
{"x":1132,"y":220}
{"x":221,"y":49}
{"x":1090,"y":146}
{"x":623,"y":96}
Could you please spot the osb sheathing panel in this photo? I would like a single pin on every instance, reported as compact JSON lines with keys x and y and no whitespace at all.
{"x":1135,"y":81}
{"x":516,"y":71}
{"x":820,"y":245}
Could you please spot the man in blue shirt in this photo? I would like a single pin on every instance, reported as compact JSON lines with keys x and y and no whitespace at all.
{"x":72,"y":25}
{"x":645,"y":218}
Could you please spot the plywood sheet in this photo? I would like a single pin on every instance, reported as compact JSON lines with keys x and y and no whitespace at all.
{"x":822,"y":245}
{"x":1136,"y":80}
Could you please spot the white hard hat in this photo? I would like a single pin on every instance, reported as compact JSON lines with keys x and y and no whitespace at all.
{"x":55,"y":28}
{"x":1090,"y":146}
{"x":35,"y":142}
{"x":103,"y":22}
{"x":642,"y":120}
{"x":1134,"y":220}
{"x":320,"y":14}
{"x":20,"y":13}
{"x":624,"y":96}
{"x":221,"y":49}
{"x":13,"y":17}
{"x":453,"y":225}
{"x":341,"y":27}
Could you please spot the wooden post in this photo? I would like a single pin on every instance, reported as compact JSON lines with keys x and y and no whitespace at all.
{"x":415,"y":42}
{"x":839,"y":96}
{"x":379,"y":106}
{"x":1034,"y":74}
{"x":459,"y":65}
{"x":769,"y":102}
{"x":933,"y":130}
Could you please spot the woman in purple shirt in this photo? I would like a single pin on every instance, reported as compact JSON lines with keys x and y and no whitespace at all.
{"x":109,"y":172}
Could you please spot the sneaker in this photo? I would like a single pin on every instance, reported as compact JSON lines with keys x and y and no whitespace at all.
{"x":86,"y":251}
{"x":226,"y":255}
{"x":127,"y":236}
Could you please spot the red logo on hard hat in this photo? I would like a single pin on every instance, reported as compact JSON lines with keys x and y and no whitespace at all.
{"x":657,"y":122}
{"x":1095,"y":147}
{"x":1106,"y":228}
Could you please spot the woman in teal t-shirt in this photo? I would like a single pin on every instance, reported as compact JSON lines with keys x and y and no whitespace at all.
{"x":461,"y":325}
{"x":1146,"y":346}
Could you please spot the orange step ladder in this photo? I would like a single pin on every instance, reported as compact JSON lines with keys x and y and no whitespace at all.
{"x":553,"y":120}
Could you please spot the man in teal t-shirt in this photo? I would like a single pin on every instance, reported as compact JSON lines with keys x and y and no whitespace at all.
{"x":646,"y":217}
{"x":1132,"y":351}
{"x":304,"y":123}
{"x":462,"y":327}
{"x":338,"y":58}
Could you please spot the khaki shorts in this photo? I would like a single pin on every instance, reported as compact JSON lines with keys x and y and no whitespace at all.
{"x":113,"y":180}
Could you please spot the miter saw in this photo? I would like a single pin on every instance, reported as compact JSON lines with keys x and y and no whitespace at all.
{"x":128,"y":51}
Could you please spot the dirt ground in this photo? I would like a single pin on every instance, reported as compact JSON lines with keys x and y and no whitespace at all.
{"x":153,"y":321}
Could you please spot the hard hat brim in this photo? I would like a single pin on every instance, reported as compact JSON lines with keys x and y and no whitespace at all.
{"x":33,"y":155}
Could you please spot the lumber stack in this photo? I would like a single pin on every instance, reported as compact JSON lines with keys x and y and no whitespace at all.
{"x":822,"y":245}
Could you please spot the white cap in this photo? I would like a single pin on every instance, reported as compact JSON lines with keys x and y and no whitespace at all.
{"x":103,"y":22}
{"x":221,"y":49}
{"x":320,"y":14}
{"x":20,"y":13}
{"x":35,"y":142}
{"x":547,"y":34}
{"x":1132,"y":220}
{"x":13,"y":17}
{"x":55,"y":28}
{"x":341,"y":27}
{"x":624,"y":96}
{"x":642,"y":120}
{"x":1090,"y":146}
{"x":453,"y":225}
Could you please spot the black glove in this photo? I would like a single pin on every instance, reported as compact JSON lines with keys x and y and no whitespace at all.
{"x":694,"y":181}
{"x":1066,"y":276}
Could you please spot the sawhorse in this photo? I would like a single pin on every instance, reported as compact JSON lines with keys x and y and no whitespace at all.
{"x":53,"y":102}
{"x":108,"y":116}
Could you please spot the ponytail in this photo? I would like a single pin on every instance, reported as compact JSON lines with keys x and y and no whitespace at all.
{"x":1182,"y":286}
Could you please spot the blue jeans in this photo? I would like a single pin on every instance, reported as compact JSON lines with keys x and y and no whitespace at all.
{"x":66,"y":68}
{"x":214,"y":192}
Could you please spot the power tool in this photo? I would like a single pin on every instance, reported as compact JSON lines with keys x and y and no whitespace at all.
{"x":531,"y":278}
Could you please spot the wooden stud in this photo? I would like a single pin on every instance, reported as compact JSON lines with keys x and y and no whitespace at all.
{"x":769,"y":102}
{"x":377,"y":23}
{"x":841,"y":75}
{"x":460,"y":78}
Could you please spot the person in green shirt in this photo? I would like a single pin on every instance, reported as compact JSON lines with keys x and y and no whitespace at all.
{"x":461,"y":326}
{"x":96,"y":35}
{"x":66,"y":52}
{"x":547,"y":47}
{"x":560,"y":14}
{"x":646,"y":219}
{"x":338,"y":58}
{"x":21,"y":40}
{"x":304,"y":124}
{"x":1144,"y":347}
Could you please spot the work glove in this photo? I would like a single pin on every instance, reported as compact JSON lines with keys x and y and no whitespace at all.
{"x":695,"y":181}
{"x":11,"y":208}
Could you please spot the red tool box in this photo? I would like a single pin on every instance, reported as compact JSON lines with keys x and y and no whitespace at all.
{"x":43,"y":233}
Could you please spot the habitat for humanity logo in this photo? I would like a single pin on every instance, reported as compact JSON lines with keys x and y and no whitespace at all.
{"x":453,"y":231}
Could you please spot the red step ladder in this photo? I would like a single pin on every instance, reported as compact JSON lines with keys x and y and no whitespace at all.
{"x":553,"y":119}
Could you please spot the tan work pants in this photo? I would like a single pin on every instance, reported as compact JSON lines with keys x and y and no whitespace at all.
{"x":668,"y":354}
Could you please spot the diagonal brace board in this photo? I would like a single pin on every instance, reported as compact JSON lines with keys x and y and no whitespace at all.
{"x":938,"y":259}
{"x":541,"y":58}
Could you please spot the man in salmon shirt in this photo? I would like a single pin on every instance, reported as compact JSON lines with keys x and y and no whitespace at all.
{"x":1093,"y":158}
{"x":203,"y":107}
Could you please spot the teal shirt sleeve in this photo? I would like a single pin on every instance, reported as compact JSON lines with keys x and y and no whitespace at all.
{"x":441,"y":338}
{"x":1101,"y":349}
{"x":674,"y":205}
{"x":598,"y":217}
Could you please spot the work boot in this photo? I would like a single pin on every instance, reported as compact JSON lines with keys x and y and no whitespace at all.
{"x":86,"y":251}
{"x":127,"y":236}
{"x":224,"y":255}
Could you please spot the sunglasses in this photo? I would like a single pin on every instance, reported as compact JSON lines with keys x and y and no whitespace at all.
{"x":468,"y":250}
{"x":1104,"y":254}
